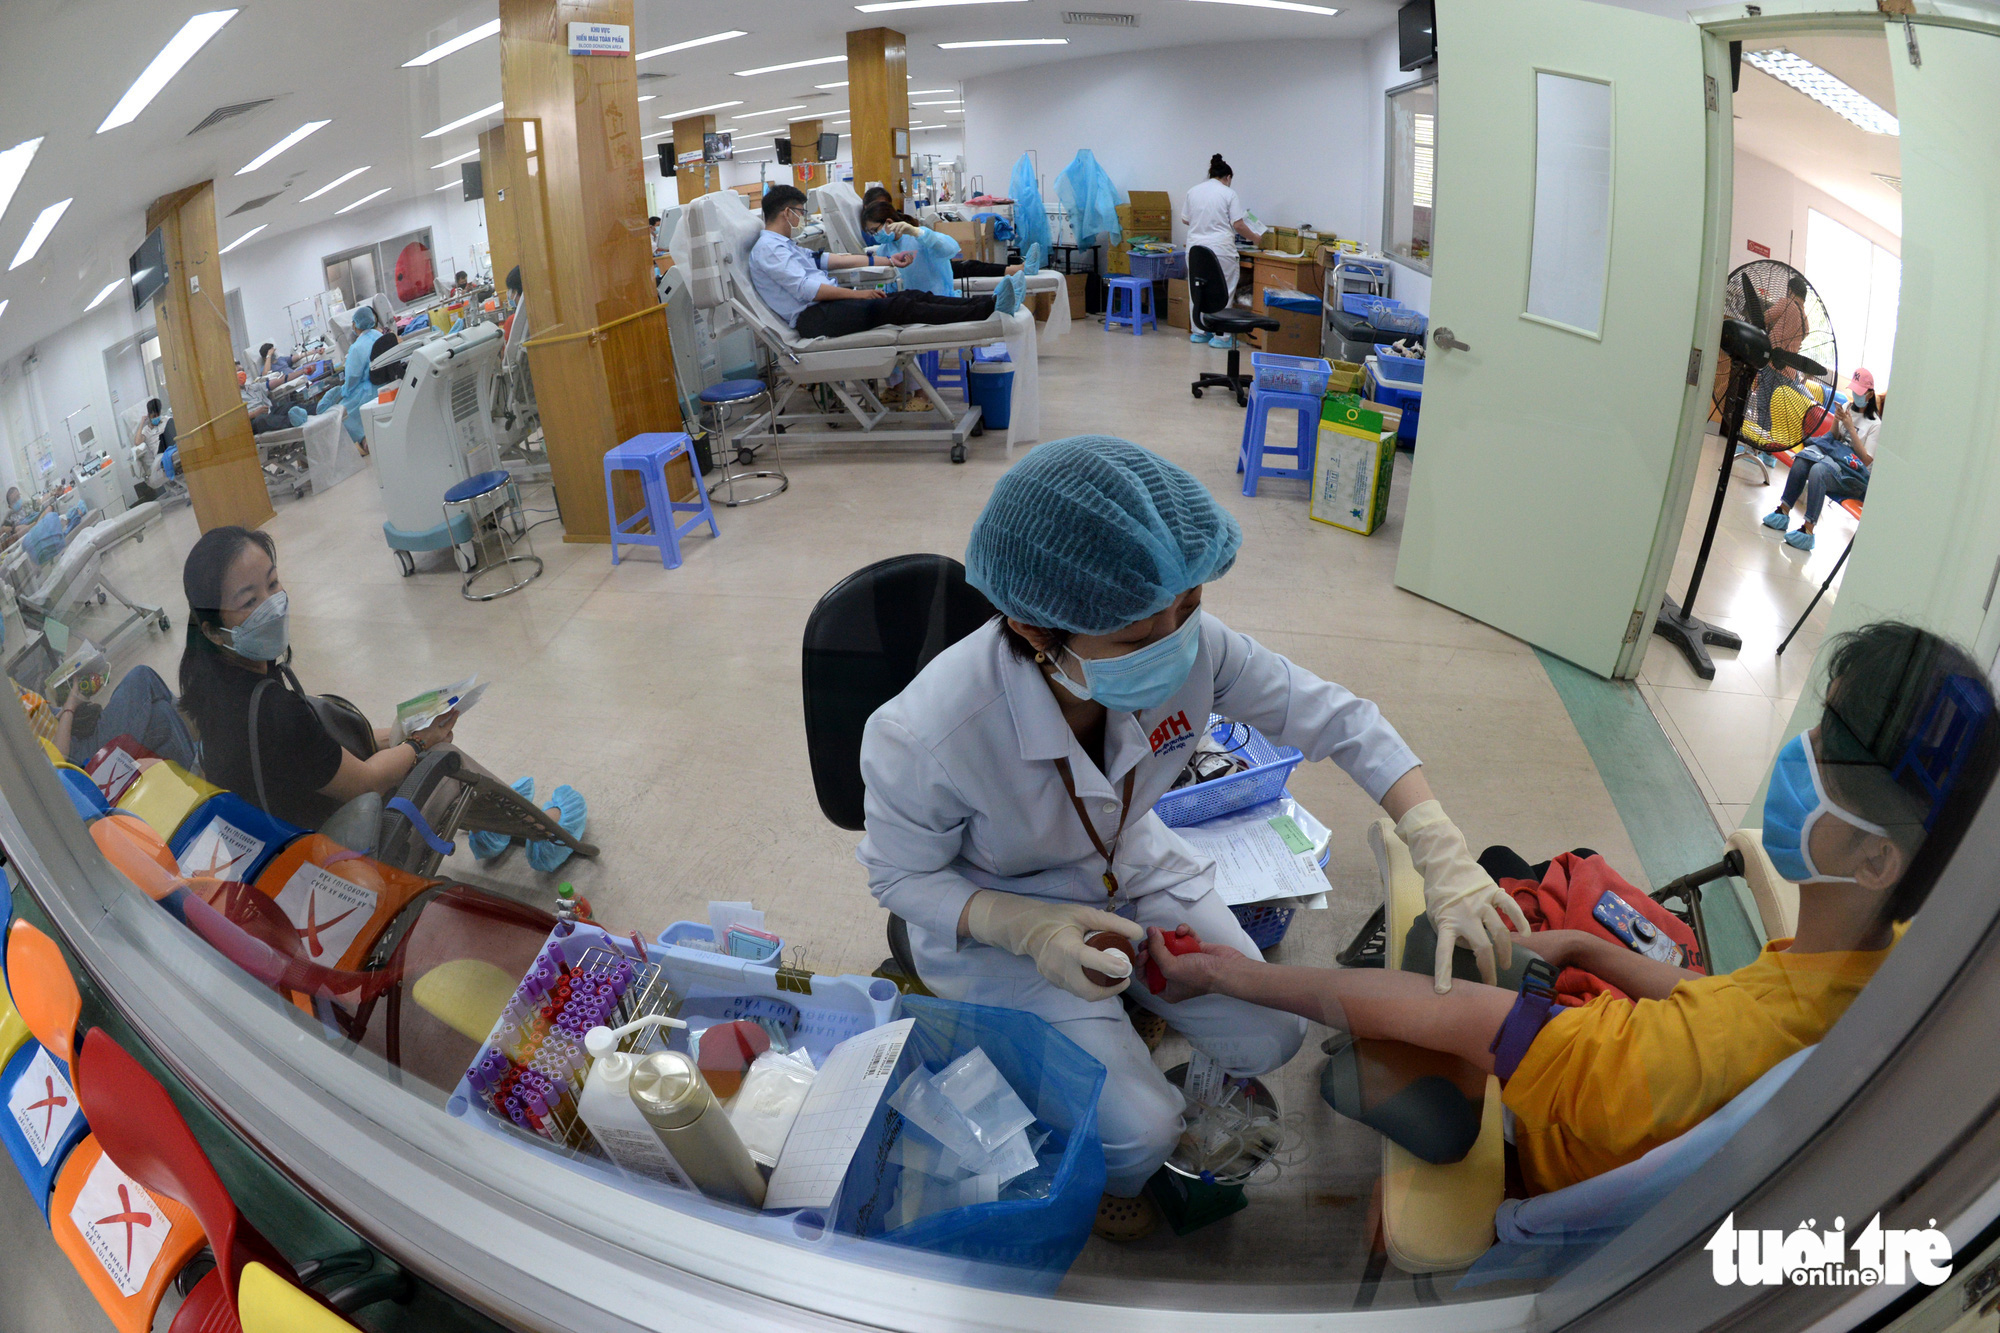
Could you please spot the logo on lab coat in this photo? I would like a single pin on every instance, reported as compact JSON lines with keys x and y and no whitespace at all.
{"x":1172,"y":734}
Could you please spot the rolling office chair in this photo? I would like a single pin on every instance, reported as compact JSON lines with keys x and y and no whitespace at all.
{"x":1212,"y":312}
{"x":867,"y":638}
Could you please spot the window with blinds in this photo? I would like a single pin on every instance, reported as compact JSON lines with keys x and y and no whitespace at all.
{"x":1425,"y":159}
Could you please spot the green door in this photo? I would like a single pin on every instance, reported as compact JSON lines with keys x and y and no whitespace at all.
{"x":1572,"y":198}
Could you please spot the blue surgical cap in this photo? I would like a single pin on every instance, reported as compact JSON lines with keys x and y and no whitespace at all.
{"x":364,"y":319}
{"x":1092,"y":533}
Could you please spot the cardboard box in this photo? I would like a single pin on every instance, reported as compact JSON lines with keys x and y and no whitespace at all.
{"x":1177,"y":304}
{"x":1041,"y":303}
{"x":1353,"y":463}
{"x":1076,"y":283}
{"x":1297,"y":333}
{"x":1151,"y":201}
{"x":1392,"y":417}
{"x":975,"y":240}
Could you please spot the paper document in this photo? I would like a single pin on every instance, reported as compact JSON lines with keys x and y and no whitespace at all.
{"x":418,"y":713}
{"x":1260,"y":858}
{"x":835,"y":1116}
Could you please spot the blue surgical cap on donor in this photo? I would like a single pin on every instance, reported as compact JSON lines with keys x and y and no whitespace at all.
{"x":1092,"y":533}
{"x":364,"y":319}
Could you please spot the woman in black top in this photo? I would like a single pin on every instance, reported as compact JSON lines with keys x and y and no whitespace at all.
{"x":237,"y":636}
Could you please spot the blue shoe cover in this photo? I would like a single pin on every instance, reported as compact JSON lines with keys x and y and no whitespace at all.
{"x":1198,"y":337}
{"x":485,"y":846}
{"x":572,"y":813}
{"x":1008,"y":298}
{"x":1801,"y":539}
{"x":1776,"y":521}
{"x":1031,"y":262}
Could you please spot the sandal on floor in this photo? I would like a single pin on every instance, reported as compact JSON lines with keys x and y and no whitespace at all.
{"x":1121,"y":1220}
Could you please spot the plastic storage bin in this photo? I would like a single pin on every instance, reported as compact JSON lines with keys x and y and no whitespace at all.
{"x":1012,"y":1245}
{"x":676,"y":937}
{"x":1407,"y":369}
{"x":1300,"y":302}
{"x":1291,"y":374}
{"x":991,"y":386}
{"x":1158,"y":267}
{"x":1270,"y":768}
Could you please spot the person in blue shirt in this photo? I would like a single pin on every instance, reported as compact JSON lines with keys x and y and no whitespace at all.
{"x":793,"y":281}
{"x":937,"y":264}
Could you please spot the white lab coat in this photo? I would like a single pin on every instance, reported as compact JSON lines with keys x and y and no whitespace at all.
{"x":962,"y":795}
{"x":1210,"y":213}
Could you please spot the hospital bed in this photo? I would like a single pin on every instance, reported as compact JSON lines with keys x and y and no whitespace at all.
{"x":714,"y":244}
{"x":840,"y":213}
{"x":76,"y":578}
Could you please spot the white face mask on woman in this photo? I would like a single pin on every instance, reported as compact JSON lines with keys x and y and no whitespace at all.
{"x":264,"y":633}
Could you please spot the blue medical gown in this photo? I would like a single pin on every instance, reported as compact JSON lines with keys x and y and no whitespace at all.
{"x":1031,"y":219}
{"x":1086,"y":191}
{"x":930,"y":271}
{"x":358,"y":389}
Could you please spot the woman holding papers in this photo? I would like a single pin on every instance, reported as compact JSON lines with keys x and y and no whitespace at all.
{"x":1010,"y":787}
{"x":238,"y":638}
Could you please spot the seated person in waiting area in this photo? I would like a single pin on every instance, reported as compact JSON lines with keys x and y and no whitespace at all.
{"x":141,"y":707}
{"x":792,"y":280}
{"x":1837,"y":464}
{"x":1863,"y":811}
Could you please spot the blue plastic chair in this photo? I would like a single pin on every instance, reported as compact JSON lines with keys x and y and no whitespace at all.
{"x":649,"y":455}
{"x":1250,"y":453}
{"x":52,"y":1097}
{"x":250,"y":840}
{"x":1137,"y":310}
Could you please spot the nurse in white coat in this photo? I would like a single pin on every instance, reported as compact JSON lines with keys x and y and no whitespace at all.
{"x":1010,"y":787}
{"x":1214,"y":218}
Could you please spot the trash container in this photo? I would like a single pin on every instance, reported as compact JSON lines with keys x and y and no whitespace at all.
{"x":991,"y":388}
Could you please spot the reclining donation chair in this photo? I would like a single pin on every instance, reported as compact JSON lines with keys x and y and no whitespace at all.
{"x":867,"y":638}
{"x":714,"y":242}
{"x":1212,"y":312}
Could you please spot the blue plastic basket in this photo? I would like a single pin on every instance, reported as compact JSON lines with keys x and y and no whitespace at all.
{"x":1406,"y":369}
{"x":1156,"y":265}
{"x":1394,"y":315}
{"x":1265,"y":923}
{"x":1291,"y":374}
{"x":675,"y":938}
{"x":1270,"y":768}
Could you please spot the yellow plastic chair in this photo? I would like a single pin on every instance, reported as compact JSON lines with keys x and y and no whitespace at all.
{"x":13,"y":1028}
{"x":164,"y":795}
{"x":466,"y":994}
{"x":1434,"y":1218}
{"x":267,"y":1303}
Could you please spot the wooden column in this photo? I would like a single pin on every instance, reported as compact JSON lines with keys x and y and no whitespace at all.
{"x":597,"y":333}
{"x":217,"y":452}
{"x":878,"y":98}
{"x":807,"y":172}
{"x":699,"y":178}
{"x":502,"y":232}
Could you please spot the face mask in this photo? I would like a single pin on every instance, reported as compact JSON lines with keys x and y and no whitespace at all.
{"x":1794,"y":802}
{"x":264,"y":633}
{"x":1143,"y":679}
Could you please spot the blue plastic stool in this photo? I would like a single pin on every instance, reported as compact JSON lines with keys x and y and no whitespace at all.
{"x":717,"y":398}
{"x":1138,"y":303}
{"x":1250,"y":453}
{"x":932,"y":364}
{"x":648,"y":455}
{"x":486,"y":502}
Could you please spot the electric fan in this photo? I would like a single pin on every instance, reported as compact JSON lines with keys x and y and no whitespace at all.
{"x":1757,"y":341}
{"x":1797,"y":321}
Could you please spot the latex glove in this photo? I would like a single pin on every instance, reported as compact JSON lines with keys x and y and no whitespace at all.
{"x":1464,"y":903}
{"x":1052,"y":934}
{"x":904,"y":229}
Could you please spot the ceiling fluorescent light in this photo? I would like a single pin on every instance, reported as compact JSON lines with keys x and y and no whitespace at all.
{"x":1291,"y":5}
{"x":364,"y":199}
{"x":823,"y":86}
{"x":38,"y":233}
{"x":756,"y":134}
{"x":463,"y":121}
{"x":1004,"y":41}
{"x":448,"y":185}
{"x":928,"y":92}
{"x":310,"y":127}
{"x":956,"y":102}
{"x":180,"y":49}
{"x":1824,"y":88}
{"x":244,"y":237}
{"x":649,"y":97}
{"x":14,"y":165}
{"x":458,"y":43}
{"x":697,"y":110}
{"x":683,"y":46}
{"x":884,"y":6}
{"x":3,"y":307}
{"x":109,"y":288}
{"x":339,"y":180}
{"x":454,"y":161}
{"x":748,"y":115}
{"x":660,"y":135}
{"x":796,"y":64}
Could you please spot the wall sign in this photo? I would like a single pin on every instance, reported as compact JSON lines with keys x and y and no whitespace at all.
{"x":1757,"y":248}
{"x":600,"y":39}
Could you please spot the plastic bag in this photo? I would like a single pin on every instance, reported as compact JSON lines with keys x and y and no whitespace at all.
{"x":1031,"y":220}
{"x":1086,"y":191}
{"x":975,"y":1087}
{"x":768,"y":1102}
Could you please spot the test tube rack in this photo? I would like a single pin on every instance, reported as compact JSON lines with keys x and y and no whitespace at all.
{"x":532,"y":1070}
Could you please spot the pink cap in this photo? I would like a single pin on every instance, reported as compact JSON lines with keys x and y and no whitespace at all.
{"x":1860,"y":382}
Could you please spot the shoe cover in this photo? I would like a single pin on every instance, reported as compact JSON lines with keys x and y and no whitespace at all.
{"x":572,"y":813}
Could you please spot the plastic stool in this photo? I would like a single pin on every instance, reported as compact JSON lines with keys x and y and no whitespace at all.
{"x":648,"y":455}
{"x":719,"y":397}
{"x":1250,"y":453}
{"x":932,"y":364}
{"x":1138,"y":303}
{"x":486,"y":502}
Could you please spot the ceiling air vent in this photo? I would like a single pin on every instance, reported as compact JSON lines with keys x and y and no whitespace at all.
{"x":1893,"y":182}
{"x":255,"y":203}
{"x":652,"y":74}
{"x":222,"y":113}
{"x":1096,"y":19}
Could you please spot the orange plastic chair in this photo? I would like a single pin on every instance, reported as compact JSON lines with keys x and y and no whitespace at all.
{"x":126,"y":1242}
{"x":44,"y":991}
{"x":138,"y":852}
{"x":338,"y":900}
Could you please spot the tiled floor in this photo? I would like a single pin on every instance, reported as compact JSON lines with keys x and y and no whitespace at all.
{"x":1728,"y":728}
{"x":671,"y":699}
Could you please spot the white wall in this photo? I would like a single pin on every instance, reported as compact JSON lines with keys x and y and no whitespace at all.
{"x":1771,"y":206}
{"x":66,"y":375}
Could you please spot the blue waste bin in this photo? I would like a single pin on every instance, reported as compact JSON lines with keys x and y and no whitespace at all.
{"x":991,"y":387}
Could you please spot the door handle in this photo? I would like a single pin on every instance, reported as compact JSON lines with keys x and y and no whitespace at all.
{"x":1442,"y":337}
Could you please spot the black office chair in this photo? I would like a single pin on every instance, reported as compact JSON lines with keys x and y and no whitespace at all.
{"x":868,"y":638}
{"x":1211,"y":311}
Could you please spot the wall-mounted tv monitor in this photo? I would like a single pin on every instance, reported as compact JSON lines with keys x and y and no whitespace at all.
{"x":149,"y":269}
{"x":474,"y":178}
{"x":784,"y":151}
{"x":1416,"y":29}
{"x":666,"y":157}
{"x":829,"y":146}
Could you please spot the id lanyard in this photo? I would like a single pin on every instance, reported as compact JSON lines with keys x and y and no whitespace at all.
{"x":1083,"y":815}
